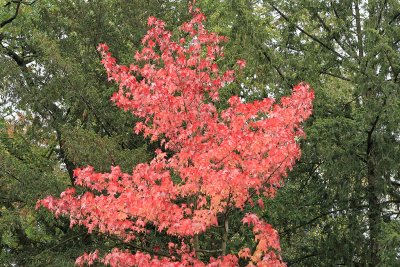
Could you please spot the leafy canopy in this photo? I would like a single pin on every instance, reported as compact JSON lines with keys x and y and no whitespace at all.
{"x":210,"y":161}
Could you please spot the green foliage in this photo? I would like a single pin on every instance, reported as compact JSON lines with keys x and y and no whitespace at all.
{"x":389,"y":239}
{"x":347,"y":180}
{"x":51,"y":76}
{"x":88,"y":148}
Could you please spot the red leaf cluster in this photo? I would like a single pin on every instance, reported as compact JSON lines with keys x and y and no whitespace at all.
{"x":218,"y":157}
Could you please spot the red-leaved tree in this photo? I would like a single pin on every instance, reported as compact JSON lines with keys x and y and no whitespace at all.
{"x":210,"y":162}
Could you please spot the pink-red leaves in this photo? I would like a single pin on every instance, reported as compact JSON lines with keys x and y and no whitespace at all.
{"x":241,"y":63}
{"x":219,"y":157}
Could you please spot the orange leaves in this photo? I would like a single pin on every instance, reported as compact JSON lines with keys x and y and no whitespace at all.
{"x":267,"y":249}
{"x":244,"y":253}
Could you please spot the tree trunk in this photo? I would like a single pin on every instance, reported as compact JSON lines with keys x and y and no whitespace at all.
{"x":374,"y":209}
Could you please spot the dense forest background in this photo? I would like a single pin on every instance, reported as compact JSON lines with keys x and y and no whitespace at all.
{"x":339,"y":206}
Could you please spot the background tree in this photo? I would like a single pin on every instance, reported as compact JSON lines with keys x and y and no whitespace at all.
{"x":348,"y":178}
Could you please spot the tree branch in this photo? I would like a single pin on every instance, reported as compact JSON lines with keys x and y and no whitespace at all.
{"x":13,"y":176}
{"x":327,"y":28}
{"x":336,"y":76}
{"x":319,"y":217}
{"x":379,"y":20}
{"x":68,"y":164}
{"x":359,"y":32}
{"x":265,"y":54}
{"x":25,"y":3}
{"x":395,"y":17}
{"x":62,"y":242}
{"x":225,"y":234}
{"x":312,"y":37}
{"x":140,"y":248}
{"x":295,"y":261}
{"x":395,"y":183}
{"x":9,"y":20}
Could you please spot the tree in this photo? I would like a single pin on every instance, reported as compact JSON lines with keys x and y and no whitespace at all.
{"x":210,"y":164}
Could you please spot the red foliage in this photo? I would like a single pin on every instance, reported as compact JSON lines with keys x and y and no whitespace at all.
{"x":218,"y":156}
